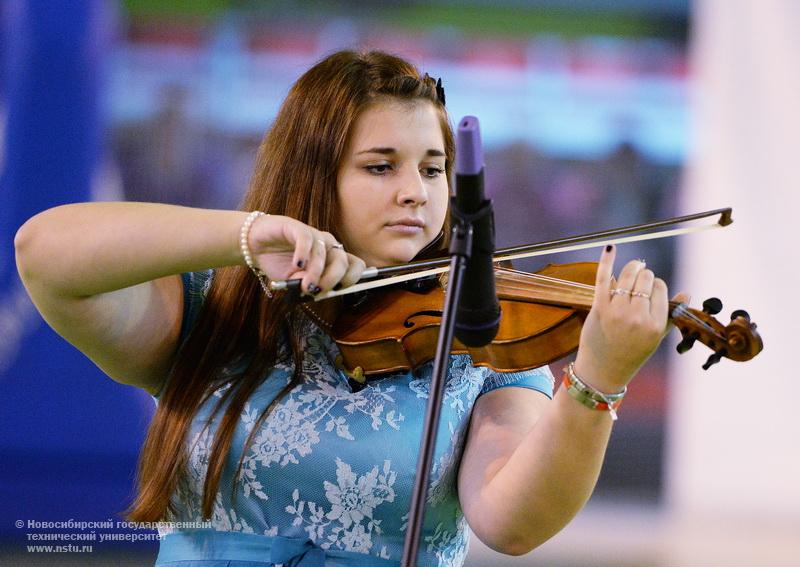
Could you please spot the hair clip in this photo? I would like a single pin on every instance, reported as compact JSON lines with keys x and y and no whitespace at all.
{"x":440,"y":91}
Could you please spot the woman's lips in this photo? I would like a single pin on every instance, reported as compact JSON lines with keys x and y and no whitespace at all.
{"x":403,"y":228}
{"x":407,"y":225}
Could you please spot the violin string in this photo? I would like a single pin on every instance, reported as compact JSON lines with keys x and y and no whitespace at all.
{"x":529,"y":275}
{"x":700,"y":323}
{"x":547,"y":283}
{"x":588,"y":291}
{"x":556,"y":285}
{"x":548,"y":293}
{"x":523,"y":276}
{"x":547,"y":287}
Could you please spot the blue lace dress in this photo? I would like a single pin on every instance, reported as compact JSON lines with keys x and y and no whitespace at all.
{"x":329,"y":476}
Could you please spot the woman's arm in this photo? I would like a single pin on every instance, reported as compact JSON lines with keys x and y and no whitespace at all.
{"x":88,"y":249}
{"x":529,"y":464}
{"x":103,"y":275}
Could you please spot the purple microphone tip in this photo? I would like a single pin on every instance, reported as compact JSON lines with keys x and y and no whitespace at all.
{"x":469,"y":152}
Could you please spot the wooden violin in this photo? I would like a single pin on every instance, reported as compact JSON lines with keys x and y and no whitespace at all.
{"x":542,"y":317}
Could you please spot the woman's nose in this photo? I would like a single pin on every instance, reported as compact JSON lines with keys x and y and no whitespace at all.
{"x":412,"y":190}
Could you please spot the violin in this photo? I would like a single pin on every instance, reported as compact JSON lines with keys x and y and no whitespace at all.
{"x":542,"y":312}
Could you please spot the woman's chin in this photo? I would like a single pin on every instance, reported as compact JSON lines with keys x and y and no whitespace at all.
{"x":393,"y":259}
{"x":394,"y":253}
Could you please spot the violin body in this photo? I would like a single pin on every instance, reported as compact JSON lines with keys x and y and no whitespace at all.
{"x":397,"y":329}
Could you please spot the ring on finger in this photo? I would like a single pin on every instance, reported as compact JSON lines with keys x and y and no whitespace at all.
{"x":337,"y":246}
{"x":641,"y":294}
{"x":617,"y":291}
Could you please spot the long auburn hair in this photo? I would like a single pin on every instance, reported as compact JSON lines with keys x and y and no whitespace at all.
{"x":295,"y":175}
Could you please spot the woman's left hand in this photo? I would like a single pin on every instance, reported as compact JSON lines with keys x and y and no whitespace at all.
{"x":627,"y":321}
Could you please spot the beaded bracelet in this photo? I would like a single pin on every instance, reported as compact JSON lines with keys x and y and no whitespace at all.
{"x":589,"y":396}
{"x":245,"y":247}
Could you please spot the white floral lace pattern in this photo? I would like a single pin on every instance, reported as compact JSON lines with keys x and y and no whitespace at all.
{"x":346,"y":521}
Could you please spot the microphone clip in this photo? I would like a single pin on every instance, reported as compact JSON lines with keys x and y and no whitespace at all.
{"x":461,"y":219}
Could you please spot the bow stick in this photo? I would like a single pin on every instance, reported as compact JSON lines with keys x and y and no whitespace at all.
{"x":423,"y":268}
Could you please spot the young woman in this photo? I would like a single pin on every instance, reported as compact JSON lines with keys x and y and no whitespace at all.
{"x":257,"y":428}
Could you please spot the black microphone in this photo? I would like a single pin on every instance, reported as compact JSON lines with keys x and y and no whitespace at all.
{"x":478,"y":315}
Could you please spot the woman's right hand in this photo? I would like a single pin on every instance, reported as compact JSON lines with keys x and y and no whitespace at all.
{"x":285,"y":248}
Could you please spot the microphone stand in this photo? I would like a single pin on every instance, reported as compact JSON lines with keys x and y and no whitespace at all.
{"x":460,"y":251}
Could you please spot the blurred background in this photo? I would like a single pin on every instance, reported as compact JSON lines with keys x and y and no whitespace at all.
{"x":594,"y":114}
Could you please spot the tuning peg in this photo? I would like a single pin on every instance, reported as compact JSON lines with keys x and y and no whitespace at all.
{"x":740,"y":313}
{"x":713,"y":359}
{"x":712,"y":306}
{"x":686,"y":343}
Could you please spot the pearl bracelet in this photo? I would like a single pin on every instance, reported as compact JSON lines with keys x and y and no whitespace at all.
{"x":244,"y":233}
{"x":590,"y":396}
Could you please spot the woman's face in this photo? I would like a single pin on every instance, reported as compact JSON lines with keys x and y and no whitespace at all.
{"x":391,"y":186}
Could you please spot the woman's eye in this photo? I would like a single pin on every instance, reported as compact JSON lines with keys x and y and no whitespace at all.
{"x":432,"y":172}
{"x":379,"y":169}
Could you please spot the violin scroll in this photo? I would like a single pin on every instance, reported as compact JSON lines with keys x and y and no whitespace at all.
{"x":738,"y":341}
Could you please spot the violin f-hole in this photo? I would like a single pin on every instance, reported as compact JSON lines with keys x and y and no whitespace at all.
{"x":408,"y":323}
